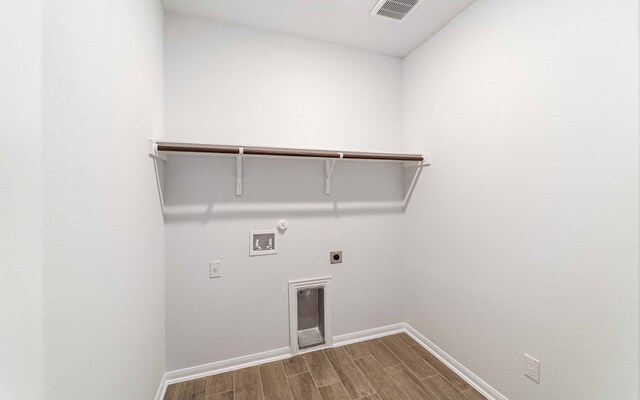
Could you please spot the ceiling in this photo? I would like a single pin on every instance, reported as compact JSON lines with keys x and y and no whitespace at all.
{"x":346,"y":22}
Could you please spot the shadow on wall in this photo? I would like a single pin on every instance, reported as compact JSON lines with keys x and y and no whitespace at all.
{"x":202,"y":188}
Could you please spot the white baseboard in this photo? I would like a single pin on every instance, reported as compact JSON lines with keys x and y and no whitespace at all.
{"x":162,"y":389}
{"x":464,"y":373}
{"x":219,"y":367}
{"x":360,"y":336}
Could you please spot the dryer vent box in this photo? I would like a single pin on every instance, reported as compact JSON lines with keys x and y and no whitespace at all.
{"x":310,"y":314}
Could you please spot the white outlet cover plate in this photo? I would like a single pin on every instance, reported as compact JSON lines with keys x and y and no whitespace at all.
{"x":215,"y":269}
{"x":531,"y":368}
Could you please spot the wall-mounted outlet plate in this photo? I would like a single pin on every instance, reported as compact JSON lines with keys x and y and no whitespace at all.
{"x":263,"y":242}
{"x":335,"y":257}
{"x":215,"y":269}
{"x":532,"y":368}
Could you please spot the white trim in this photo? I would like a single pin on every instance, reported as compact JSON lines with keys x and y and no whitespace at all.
{"x":311,"y":349}
{"x":294,"y":286}
{"x":200,"y":371}
{"x":464,"y":373}
{"x":374,"y":333}
{"x":360,"y":336}
{"x":218,"y":367}
{"x":162,"y":389}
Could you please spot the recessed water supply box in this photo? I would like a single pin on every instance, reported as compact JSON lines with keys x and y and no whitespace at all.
{"x":310,"y":314}
{"x":263,"y":242}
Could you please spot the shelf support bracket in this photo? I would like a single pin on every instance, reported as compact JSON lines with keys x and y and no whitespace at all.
{"x":239,"y":172}
{"x":329,"y":165}
{"x":153,"y":151}
{"x":426,"y":162}
{"x":157,"y":168}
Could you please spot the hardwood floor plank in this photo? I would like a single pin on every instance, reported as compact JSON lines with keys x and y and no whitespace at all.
{"x":352,"y":379}
{"x":451,"y":376}
{"x":381,"y":353}
{"x":334,"y":392}
{"x":192,"y":390}
{"x":247,"y":384}
{"x":320,"y":368}
{"x":383,"y":384}
{"x":220,"y":383}
{"x":411,"y":385}
{"x":221,"y":396}
{"x":442,"y":388}
{"x":473,"y":394}
{"x":302,"y":387}
{"x":406,"y":339}
{"x":416,"y":364}
{"x":389,"y":368}
{"x":357,"y":350}
{"x":172,"y":392}
{"x":274,"y":382}
{"x":294,"y":365}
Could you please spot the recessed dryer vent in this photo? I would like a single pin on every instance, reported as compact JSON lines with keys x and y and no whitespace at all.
{"x":310,"y":314}
{"x":310,"y":317}
{"x":396,"y":10}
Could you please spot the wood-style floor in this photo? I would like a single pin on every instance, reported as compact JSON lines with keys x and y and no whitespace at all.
{"x":390,"y":368}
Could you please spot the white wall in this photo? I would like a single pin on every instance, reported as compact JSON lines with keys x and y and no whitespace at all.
{"x":104,"y":272}
{"x":235,"y":85}
{"x":21,"y":350}
{"x":523,"y":235}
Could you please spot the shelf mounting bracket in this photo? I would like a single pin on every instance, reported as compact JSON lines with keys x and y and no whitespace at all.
{"x":239,"y":172}
{"x":153,"y":151}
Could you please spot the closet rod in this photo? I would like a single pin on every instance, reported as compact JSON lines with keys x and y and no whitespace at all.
{"x":264,"y":151}
{"x":383,"y":156}
{"x":195,"y":149}
{"x":290,"y":153}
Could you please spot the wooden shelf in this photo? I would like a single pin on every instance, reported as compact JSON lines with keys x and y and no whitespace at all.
{"x":158,"y":149}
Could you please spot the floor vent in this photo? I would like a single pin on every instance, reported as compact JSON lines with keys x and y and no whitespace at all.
{"x":396,"y":10}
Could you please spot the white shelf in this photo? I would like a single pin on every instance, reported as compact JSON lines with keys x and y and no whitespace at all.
{"x":158,"y":149}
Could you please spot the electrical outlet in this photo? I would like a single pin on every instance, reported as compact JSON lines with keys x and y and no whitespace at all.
{"x":215,"y":269}
{"x":532,"y":368}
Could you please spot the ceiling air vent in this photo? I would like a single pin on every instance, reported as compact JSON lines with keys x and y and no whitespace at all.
{"x":396,"y":10}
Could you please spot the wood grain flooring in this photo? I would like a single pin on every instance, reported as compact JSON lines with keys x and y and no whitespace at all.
{"x":391,"y":368}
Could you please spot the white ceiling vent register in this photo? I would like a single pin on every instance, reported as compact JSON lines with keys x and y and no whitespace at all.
{"x":396,"y":10}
